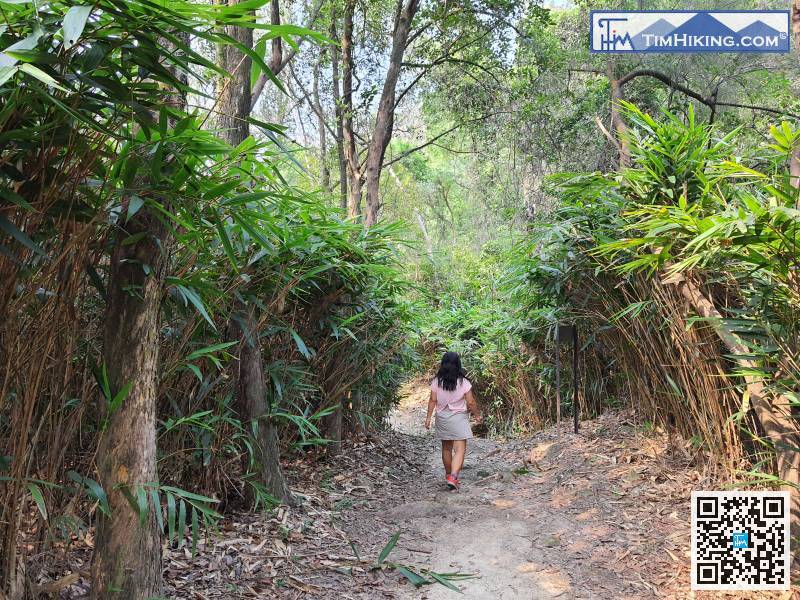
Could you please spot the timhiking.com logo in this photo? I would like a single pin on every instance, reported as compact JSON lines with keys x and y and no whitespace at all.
{"x":689,"y":31}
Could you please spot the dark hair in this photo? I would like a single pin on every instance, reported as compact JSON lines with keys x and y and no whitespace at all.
{"x":450,"y":372}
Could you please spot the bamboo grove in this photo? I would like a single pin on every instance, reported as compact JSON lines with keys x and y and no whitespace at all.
{"x":144,"y":260}
{"x":189,"y":295}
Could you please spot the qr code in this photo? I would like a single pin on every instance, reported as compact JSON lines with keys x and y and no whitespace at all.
{"x":740,"y":541}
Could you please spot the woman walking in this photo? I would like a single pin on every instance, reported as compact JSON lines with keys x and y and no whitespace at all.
{"x":451,"y":398}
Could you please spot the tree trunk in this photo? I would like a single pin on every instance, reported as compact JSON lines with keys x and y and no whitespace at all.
{"x":325,"y":174}
{"x":774,"y":415}
{"x":356,"y":409}
{"x":127,"y":556}
{"x":384,"y":121}
{"x":618,"y":127}
{"x":234,"y":107}
{"x":332,"y":430}
{"x":337,"y":101}
{"x":251,"y":400}
{"x":277,"y":46}
{"x":348,"y":135}
{"x":234,"y":93}
{"x":423,"y":228}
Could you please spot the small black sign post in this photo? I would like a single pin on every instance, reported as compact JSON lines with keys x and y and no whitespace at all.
{"x":565,"y":334}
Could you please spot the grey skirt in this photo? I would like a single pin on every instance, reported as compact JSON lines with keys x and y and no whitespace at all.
{"x":452,"y":425}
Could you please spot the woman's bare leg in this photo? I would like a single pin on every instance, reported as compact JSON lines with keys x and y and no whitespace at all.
{"x":447,"y":456}
{"x":459,"y":452}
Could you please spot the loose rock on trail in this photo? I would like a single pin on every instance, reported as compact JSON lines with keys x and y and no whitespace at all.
{"x":602,"y":514}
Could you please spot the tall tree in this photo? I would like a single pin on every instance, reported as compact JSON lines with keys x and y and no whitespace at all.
{"x":127,"y":556}
{"x":325,"y":175}
{"x":353,"y":165}
{"x":234,"y":106}
{"x":338,"y":112}
{"x":126,"y":562}
{"x":384,"y":120}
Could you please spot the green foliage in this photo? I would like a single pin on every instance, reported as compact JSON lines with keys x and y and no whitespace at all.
{"x":690,"y":207}
{"x":417,"y":576}
{"x":104,"y":122}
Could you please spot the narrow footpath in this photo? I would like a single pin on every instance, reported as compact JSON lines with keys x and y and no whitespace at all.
{"x":599,"y":515}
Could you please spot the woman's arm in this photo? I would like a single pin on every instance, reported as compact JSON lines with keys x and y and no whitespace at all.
{"x":431,"y":406}
{"x":472,"y":406}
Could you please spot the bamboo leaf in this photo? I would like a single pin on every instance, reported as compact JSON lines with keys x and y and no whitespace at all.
{"x":444,"y":581}
{"x":154,"y":498}
{"x":171,"y":517}
{"x":38,"y":498}
{"x":226,"y":243}
{"x":210,"y":350}
{"x":181,"y":523}
{"x":415,"y":579}
{"x":301,"y":345}
{"x":7,"y":73}
{"x":20,"y":236}
{"x":74,"y":23}
{"x":94,"y":490}
{"x":41,"y":76}
{"x":134,"y":204}
{"x":195,"y":530}
{"x":192,"y":297}
{"x":142,"y":504}
{"x":387,"y":549}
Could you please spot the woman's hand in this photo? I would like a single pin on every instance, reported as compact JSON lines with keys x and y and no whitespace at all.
{"x":431,"y":408}
{"x":478,"y":419}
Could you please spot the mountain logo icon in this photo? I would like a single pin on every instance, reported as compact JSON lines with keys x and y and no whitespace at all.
{"x":689,"y":31}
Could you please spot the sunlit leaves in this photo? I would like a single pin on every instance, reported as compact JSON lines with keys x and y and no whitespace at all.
{"x":74,"y":23}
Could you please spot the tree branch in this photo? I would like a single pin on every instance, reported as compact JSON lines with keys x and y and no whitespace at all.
{"x":666,"y":81}
{"x":275,"y":66}
{"x":709,"y":101}
{"x":434,"y":139}
{"x":311,"y":104}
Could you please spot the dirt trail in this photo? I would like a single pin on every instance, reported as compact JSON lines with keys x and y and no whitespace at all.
{"x":602,"y":514}
{"x":599,"y":515}
{"x":528,"y":530}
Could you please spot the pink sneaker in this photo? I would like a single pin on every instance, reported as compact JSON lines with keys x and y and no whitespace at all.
{"x":452,"y":482}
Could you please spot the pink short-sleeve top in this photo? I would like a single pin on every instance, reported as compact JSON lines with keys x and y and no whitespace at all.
{"x":452,"y":400}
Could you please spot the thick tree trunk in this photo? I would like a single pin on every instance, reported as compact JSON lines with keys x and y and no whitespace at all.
{"x":337,"y":101}
{"x":126,"y":563}
{"x":384,"y":121}
{"x":251,"y":400}
{"x":325,"y":175}
{"x":234,"y":107}
{"x":773,"y":414}
{"x":127,"y":555}
{"x":618,"y":127}
{"x":354,"y":174}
